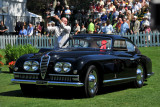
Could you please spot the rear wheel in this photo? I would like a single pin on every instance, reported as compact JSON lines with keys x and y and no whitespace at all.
{"x":91,"y":81}
{"x":28,"y":89}
{"x":139,"y":82}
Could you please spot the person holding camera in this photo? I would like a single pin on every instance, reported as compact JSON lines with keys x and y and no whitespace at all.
{"x":62,"y":32}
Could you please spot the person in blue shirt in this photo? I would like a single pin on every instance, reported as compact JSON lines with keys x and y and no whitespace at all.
{"x":104,"y":17}
{"x":23,"y":32}
{"x":30,"y":30}
{"x":124,"y":27}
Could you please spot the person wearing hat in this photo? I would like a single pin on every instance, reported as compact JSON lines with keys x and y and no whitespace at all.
{"x":147,"y":30}
{"x":112,"y":6}
{"x":67,"y":12}
{"x":136,"y":25}
{"x":49,"y":29}
{"x":38,"y":29}
{"x":130,"y":7}
{"x":145,"y":22}
{"x":76,"y":28}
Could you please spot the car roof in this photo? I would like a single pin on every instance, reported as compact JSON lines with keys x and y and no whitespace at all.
{"x":113,"y":36}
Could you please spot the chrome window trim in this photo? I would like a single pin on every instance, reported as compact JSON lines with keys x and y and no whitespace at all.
{"x":26,"y":73}
{"x":119,"y":79}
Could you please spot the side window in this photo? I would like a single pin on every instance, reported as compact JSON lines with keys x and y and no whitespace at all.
{"x":120,"y":45}
{"x":130,"y":46}
{"x":106,"y":42}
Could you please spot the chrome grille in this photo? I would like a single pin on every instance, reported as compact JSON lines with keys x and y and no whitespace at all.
{"x":44,"y":65}
{"x":25,"y":76}
{"x":64,"y":78}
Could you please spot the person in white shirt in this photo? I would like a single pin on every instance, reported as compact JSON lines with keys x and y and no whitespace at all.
{"x":62,"y":32}
{"x":67,"y":12}
{"x":148,"y":14}
{"x":145,"y":22}
{"x":139,"y":5}
{"x":135,"y":8}
{"x":108,"y":28}
{"x":102,"y":29}
{"x":101,"y":3}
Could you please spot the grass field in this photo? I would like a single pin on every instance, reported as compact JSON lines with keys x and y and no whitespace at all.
{"x":113,"y":96}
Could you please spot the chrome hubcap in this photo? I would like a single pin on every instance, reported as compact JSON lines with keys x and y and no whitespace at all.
{"x":140,"y":75}
{"x":92,"y":81}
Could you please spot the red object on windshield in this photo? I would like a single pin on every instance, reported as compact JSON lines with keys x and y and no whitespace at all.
{"x":103,"y":44}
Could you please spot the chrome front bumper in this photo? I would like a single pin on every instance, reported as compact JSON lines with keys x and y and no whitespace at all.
{"x":47,"y":83}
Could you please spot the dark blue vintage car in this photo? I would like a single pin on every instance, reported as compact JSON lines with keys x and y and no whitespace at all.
{"x":88,"y":61}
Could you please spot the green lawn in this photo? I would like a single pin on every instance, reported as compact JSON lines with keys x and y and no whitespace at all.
{"x":113,"y":96}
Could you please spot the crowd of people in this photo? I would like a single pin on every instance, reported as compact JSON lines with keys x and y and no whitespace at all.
{"x":108,"y":16}
{"x":102,"y":17}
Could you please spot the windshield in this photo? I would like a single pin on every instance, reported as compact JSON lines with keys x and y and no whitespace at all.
{"x":89,"y":42}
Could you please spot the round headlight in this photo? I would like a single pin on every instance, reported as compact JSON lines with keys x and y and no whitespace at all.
{"x":67,"y":67}
{"x":58,"y":67}
{"x":27,"y":65}
{"x":35,"y":65}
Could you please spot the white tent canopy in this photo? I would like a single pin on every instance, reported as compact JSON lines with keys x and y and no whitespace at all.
{"x":30,"y":14}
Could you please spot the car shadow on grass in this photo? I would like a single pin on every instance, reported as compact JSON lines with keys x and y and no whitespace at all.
{"x":66,"y":93}
{"x":116,"y":88}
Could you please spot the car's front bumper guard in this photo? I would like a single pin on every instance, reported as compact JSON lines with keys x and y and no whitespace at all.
{"x":49,"y":83}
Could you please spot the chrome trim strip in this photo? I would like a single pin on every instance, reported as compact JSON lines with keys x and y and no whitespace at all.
{"x":16,"y":81}
{"x":76,"y":84}
{"x":64,"y":75}
{"x":26,"y":73}
{"x":119,"y":79}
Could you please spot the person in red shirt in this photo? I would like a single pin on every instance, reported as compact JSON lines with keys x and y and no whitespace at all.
{"x":38,"y":29}
{"x":118,"y":26}
{"x":98,"y":7}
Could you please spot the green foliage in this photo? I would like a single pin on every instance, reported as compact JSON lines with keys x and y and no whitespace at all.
{"x":14,"y":52}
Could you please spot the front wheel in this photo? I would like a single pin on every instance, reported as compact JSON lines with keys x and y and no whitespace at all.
{"x":91,"y":81}
{"x":139,"y":82}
